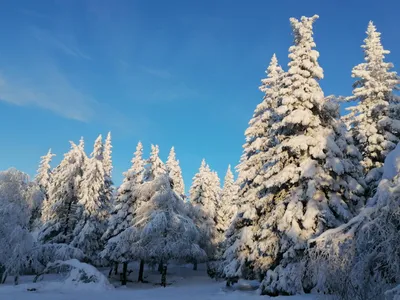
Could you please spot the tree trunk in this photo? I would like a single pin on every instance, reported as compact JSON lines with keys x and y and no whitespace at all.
{"x":195,"y":266}
{"x":124,"y":278}
{"x":141,"y":270}
{"x":16,"y":280}
{"x":3,"y":278}
{"x":160,"y":267}
{"x":109,"y":273}
{"x":164,"y":276}
{"x":116,"y":268}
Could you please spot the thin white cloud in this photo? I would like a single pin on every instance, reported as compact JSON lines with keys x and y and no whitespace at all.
{"x":63,"y":42}
{"x":165,"y":74}
{"x":50,"y":91}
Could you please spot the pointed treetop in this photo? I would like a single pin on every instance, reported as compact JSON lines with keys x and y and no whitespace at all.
{"x":229,"y":175}
{"x":82,"y":143}
{"x":43,"y":173}
{"x":98,"y":148}
{"x":137,"y":156}
{"x":274,"y":72}
{"x":172,"y":155}
{"x":303,"y":56}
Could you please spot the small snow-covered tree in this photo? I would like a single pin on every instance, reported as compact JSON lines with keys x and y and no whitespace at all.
{"x":43,"y":179}
{"x":93,"y":204}
{"x":107,"y":165}
{"x":375,"y":121}
{"x":227,"y":205}
{"x":155,"y":165}
{"x":18,"y":197}
{"x":59,"y":217}
{"x":360,"y":259}
{"x":119,"y":234}
{"x":165,"y":232}
{"x":204,"y":196}
{"x":175,"y":173}
{"x":43,"y":176}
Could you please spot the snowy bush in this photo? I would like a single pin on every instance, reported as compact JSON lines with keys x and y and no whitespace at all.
{"x":79,"y":275}
{"x":361,"y":259}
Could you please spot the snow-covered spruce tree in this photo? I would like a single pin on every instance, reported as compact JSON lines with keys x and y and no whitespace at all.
{"x":119,"y":235}
{"x":107,"y":165}
{"x":93,"y":205}
{"x":19,"y":251}
{"x":360,"y":259}
{"x":204,"y":197}
{"x":43,"y":179}
{"x":309,"y":181}
{"x":155,"y":165}
{"x":375,"y":121}
{"x":165,"y":232}
{"x":240,"y":256}
{"x":18,"y":197}
{"x":43,"y":175}
{"x":226,"y":209}
{"x":175,"y":173}
{"x":59,"y":217}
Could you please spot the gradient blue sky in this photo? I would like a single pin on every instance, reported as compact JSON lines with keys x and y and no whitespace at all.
{"x":182,"y":73}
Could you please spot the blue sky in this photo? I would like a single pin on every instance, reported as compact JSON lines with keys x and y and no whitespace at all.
{"x":182,"y":73}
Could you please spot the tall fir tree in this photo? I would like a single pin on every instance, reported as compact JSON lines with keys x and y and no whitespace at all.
{"x":227,"y":205}
{"x":43,"y":179}
{"x":175,"y":173}
{"x":375,"y":121}
{"x":241,"y":255}
{"x":43,"y":176}
{"x":259,"y":135}
{"x":155,"y":165}
{"x":204,"y":196}
{"x":107,"y":165}
{"x":116,"y":236}
{"x":308,"y":183}
{"x":59,"y":217}
{"x":313,"y":181}
{"x":93,"y":204}
{"x":107,"y":157}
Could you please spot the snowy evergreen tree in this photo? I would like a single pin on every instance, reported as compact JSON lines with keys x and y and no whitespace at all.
{"x":118,"y":235}
{"x":360,"y":259}
{"x":43,"y":176}
{"x":375,"y":121}
{"x":226,"y":207}
{"x":259,"y":135}
{"x":311,"y":182}
{"x":43,"y":179}
{"x":164,"y":230}
{"x":107,"y":164}
{"x":204,"y":196}
{"x":59,"y":217}
{"x":175,"y":173}
{"x":241,"y":253}
{"x":155,"y":165}
{"x":308,"y":182}
{"x":19,"y":197}
{"x":93,"y":204}
{"x":107,"y":159}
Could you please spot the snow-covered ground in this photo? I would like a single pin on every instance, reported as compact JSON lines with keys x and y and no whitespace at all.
{"x":184,"y":283}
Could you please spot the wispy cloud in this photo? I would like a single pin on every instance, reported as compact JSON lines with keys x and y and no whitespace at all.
{"x":174,"y":92}
{"x":52,"y":92}
{"x":63,"y":42}
{"x":165,"y":74}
